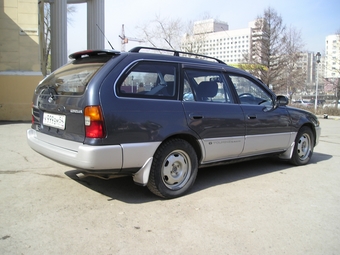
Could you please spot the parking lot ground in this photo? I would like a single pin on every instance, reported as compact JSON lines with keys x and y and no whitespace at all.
{"x":257,"y":207}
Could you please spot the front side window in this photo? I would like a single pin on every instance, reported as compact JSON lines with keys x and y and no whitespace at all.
{"x":149,"y":80}
{"x":249,"y":92}
{"x":205,"y":86}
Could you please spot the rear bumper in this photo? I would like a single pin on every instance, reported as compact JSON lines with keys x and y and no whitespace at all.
{"x":76,"y":154}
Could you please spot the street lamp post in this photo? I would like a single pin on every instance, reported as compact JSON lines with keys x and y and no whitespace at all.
{"x":318,"y":56}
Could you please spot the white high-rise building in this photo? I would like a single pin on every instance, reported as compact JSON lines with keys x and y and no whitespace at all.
{"x":213,"y":38}
{"x":332,"y":56}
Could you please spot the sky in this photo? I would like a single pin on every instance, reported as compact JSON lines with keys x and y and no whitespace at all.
{"x":315,"y":19}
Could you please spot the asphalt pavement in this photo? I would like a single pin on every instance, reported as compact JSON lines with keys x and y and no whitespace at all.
{"x":257,"y":207}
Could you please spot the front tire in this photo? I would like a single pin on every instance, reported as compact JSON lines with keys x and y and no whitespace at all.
{"x":174,"y":169}
{"x":303,"y":148}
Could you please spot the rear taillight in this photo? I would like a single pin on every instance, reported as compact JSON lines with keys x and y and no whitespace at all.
{"x":94,"y":122}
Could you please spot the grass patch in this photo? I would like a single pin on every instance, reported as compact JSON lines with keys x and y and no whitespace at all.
{"x":331,"y":111}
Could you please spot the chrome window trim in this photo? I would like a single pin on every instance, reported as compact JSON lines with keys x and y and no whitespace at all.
{"x":115,"y":84}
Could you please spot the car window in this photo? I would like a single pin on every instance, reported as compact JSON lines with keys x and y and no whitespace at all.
{"x":72,"y":79}
{"x":187,"y":92}
{"x":205,"y":86}
{"x":149,"y":80}
{"x":250,"y":92}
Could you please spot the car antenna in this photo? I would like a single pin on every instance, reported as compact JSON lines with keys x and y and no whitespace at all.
{"x":105,"y":36}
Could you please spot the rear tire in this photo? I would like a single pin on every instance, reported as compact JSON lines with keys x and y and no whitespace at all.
{"x":303,"y":148}
{"x":174,"y":169}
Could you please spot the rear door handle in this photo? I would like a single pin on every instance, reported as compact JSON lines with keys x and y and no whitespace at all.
{"x":195,"y":116}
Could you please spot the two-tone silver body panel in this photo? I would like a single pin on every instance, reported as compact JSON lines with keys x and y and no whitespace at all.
{"x":140,"y":155}
{"x":237,"y":147}
{"x":88,"y":157}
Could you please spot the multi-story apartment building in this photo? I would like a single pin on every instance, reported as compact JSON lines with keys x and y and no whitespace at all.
{"x":332,"y":64}
{"x":332,"y":56}
{"x":308,"y":66}
{"x":213,"y":38}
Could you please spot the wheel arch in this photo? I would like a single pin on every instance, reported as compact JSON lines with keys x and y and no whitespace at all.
{"x":312,"y":128}
{"x":192,"y":140}
{"x":303,"y":146}
{"x":174,"y":166}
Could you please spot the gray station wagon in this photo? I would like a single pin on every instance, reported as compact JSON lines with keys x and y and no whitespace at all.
{"x":158,"y":117}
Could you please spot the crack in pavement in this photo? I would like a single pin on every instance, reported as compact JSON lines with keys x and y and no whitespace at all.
{"x":18,"y":153}
{"x":328,"y":141}
{"x":24,"y":171}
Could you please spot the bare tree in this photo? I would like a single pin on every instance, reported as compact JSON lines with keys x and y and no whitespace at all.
{"x":294,"y":75}
{"x":170,"y":33}
{"x":195,"y":35}
{"x":194,"y":39}
{"x":192,"y":44}
{"x":163,"y":32}
{"x":275,"y":50}
{"x":46,"y":47}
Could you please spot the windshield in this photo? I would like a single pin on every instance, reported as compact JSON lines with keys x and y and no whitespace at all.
{"x":72,"y":78}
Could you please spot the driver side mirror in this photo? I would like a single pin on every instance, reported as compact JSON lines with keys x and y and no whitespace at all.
{"x":282,"y":100}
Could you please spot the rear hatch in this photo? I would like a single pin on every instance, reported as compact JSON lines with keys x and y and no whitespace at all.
{"x":60,"y":99}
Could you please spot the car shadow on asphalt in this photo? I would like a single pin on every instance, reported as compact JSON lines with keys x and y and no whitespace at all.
{"x":124,"y":189}
{"x":212,"y":176}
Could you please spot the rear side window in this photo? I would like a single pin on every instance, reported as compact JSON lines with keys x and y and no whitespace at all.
{"x":149,"y":80}
{"x":206,"y":86}
{"x":73,"y":78}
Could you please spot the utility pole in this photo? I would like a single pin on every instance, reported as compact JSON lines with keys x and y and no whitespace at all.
{"x":125,"y":40}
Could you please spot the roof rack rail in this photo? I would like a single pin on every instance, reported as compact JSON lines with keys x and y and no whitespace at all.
{"x":86,"y":53}
{"x":175,"y":52}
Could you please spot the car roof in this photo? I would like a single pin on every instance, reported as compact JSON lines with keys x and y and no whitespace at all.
{"x":181,"y":57}
{"x":161,"y":54}
{"x":176,"y":53}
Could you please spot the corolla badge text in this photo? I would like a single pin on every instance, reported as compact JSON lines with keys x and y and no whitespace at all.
{"x":76,"y":111}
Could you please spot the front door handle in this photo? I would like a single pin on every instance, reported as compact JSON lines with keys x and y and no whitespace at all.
{"x":251,"y":117}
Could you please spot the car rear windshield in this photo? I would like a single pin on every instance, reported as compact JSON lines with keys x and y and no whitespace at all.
{"x":73,"y":78}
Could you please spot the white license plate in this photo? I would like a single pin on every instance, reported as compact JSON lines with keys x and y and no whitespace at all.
{"x":54,"y":120}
